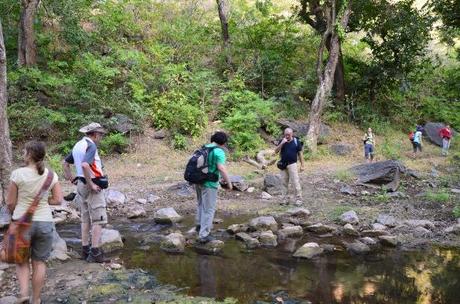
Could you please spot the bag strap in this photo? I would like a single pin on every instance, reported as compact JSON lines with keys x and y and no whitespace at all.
{"x":27,"y":217}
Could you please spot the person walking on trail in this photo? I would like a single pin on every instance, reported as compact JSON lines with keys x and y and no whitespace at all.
{"x":23,"y":193}
{"x":90,"y":181}
{"x":207,"y":192}
{"x":369,"y":145}
{"x":446,"y":135}
{"x":417,"y":141}
{"x":290,"y":149}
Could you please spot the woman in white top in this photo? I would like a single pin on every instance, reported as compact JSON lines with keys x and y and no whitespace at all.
{"x":26,"y":182}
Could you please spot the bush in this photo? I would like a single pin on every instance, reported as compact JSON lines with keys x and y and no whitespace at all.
{"x":114,"y":143}
{"x":437,"y":197}
{"x":55,"y":163}
{"x":179,"y":142}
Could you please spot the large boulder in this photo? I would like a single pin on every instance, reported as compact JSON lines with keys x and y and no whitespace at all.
{"x":341,"y":149}
{"x":308,"y":251}
{"x":385,"y":173}
{"x":59,"y":251}
{"x":268,"y":239}
{"x":166,"y":216}
{"x":301,"y":129}
{"x":431,"y":131}
{"x":238,"y":183}
{"x":264,"y":223}
{"x":122,"y":124}
{"x":173,"y":243}
{"x":111,"y":240}
{"x":273,"y":184}
{"x":114,"y":197}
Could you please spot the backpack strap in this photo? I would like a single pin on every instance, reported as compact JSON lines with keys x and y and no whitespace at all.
{"x":27,"y":217}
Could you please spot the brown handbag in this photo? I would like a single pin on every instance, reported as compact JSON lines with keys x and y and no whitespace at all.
{"x":15,"y":249}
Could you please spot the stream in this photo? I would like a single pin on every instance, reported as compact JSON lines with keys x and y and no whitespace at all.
{"x":253,"y":276}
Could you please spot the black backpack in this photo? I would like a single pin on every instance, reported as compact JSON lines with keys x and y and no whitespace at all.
{"x":197,"y":169}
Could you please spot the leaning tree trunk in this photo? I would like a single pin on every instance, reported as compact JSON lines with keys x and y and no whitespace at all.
{"x":339,"y":76}
{"x":325,"y":75}
{"x":27,"y":50}
{"x":223,"y":6}
{"x":5,"y":143}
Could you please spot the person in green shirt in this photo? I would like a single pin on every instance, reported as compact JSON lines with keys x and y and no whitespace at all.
{"x":207,"y":192}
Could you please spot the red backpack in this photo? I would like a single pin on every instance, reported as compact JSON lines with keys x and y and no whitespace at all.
{"x":411,"y":136}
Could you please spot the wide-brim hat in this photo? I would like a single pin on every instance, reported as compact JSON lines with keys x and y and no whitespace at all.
{"x":93,"y":127}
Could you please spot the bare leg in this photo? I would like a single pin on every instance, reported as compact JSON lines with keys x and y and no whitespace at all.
{"x":38,"y":280}
{"x":85,"y":234}
{"x":96,"y":230}
{"x":23,"y":273}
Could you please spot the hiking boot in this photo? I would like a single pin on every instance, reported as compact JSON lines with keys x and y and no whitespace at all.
{"x":197,"y":228}
{"x":85,"y":252}
{"x":206,"y":239}
{"x":96,"y":255}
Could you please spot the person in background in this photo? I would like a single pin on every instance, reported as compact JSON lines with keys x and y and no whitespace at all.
{"x":369,"y":145}
{"x":417,"y":142}
{"x":446,"y":135}
{"x":26,"y":182}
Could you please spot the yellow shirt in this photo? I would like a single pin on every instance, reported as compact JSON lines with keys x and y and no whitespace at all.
{"x":29,"y":184}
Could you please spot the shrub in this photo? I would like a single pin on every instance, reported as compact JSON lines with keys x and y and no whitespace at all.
{"x":55,"y":163}
{"x":179,"y":142}
{"x":344,"y":175}
{"x":437,"y":197}
{"x":114,"y":143}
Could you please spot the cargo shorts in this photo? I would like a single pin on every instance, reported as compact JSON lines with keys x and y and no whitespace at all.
{"x":40,"y":236}
{"x":93,"y":208}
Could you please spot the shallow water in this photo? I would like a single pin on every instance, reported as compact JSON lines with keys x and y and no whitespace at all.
{"x":429,"y":276}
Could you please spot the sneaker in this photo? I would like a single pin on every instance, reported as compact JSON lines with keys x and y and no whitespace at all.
{"x":96,"y":255}
{"x":85,"y":252}
{"x":206,"y":239}
{"x":197,"y":228}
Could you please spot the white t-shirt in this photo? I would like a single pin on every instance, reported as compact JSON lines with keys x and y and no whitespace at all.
{"x":29,"y":184}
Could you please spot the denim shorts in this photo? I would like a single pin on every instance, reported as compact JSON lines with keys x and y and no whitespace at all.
{"x":368,"y":150}
{"x":40,"y":235}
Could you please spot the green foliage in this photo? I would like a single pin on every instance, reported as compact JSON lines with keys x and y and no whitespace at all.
{"x":383,"y":196}
{"x":55,"y":163}
{"x":390,"y":149}
{"x":344,"y":175}
{"x":115,"y":142}
{"x":335,"y":213}
{"x":456,"y":211}
{"x":437,"y":197}
{"x":179,"y":142}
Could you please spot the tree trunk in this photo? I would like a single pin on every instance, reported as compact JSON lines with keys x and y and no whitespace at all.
{"x":339,"y":77}
{"x":223,"y":6}
{"x":5,"y":143}
{"x":27,"y":50}
{"x":326,"y":77}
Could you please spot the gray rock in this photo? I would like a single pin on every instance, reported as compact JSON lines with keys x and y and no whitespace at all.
{"x":238,"y":183}
{"x":4,"y":266}
{"x":268,"y":239}
{"x":5,"y":217}
{"x":290,"y":232}
{"x":301,"y":129}
{"x":136,"y":211}
{"x":160,"y":134}
{"x":8,"y":300}
{"x":431,"y":131}
{"x":357,"y":248}
{"x":114,"y":197}
{"x":341,"y":149}
{"x":349,"y":217}
{"x":387,"y":220}
{"x":320,"y":228}
{"x":298,"y":216}
{"x":250,"y":190}
{"x":236,"y":228}
{"x":152,"y":198}
{"x":389,"y":240}
{"x":455,"y":229}
{"x":420,"y":223}
{"x":273,"y":184}
{"x":141,"y":201}
{"x":308,"y":251}
{"x":123,"y":124}
{"x":265,"y":196}
{"x":173,"y":243}
{"x":251,"y":243}
{"x":111,"y":240}
{"x":349,"y":230}
{"x":264,"y":223}
{"x":456,"y":191}
{"x":368,"y":241}
{"x":59,"y":251}
{"x":385,"y":173}
{"x":183,"y":189}
{"x":167,"y":216}
{"x":374,"y":233}
{"x":328,"y":247}
{"x":378,"y":226}
{"x":212,"y":248}
{"x":347,"y":190}
{"x":422,"y":232}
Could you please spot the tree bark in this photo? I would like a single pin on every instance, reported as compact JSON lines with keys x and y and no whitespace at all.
{"x":27,"y":50}
{"x":326,"y":75}
{"x":223,"y":7}
{"x":5,"y":142}
{"x":339,"y":76}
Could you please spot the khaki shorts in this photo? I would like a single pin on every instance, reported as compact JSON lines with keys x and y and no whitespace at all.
{"x":92,"y":205}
